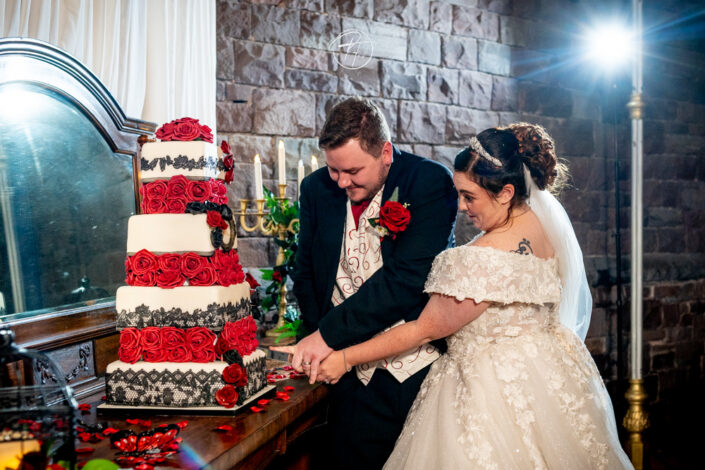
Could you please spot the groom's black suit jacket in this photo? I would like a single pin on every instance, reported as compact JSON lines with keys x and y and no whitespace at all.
{"x":395,"y":291}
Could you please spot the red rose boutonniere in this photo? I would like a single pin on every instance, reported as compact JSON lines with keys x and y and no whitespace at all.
{"x":393,"y":217}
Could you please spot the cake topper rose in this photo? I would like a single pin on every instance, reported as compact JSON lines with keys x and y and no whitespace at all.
{"x":185,"y":129}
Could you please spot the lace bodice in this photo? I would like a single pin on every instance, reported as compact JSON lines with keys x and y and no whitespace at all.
{"x":523,"y":291}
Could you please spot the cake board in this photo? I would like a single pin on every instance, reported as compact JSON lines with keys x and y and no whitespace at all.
{"x":105,"y":408}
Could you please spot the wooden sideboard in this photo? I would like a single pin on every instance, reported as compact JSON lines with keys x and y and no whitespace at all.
{"x":256,"y":441}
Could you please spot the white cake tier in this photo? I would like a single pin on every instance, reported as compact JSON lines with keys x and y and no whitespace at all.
{"x":194,"y":160}
{"x":171,"y":233}
{"x":182,"y":307}
{"x":179,"y":384}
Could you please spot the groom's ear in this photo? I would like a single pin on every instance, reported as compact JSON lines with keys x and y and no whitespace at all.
{"x":506,"y":194}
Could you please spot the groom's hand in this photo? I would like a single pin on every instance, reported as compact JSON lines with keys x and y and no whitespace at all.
{"x":310,"y":351}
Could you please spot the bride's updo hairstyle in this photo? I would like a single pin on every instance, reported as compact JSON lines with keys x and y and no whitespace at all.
{"x":499,"y":158}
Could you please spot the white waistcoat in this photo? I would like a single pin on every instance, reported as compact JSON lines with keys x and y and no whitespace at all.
{"x":360,"y":258}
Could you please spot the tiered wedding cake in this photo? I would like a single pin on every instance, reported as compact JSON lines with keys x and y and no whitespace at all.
{"x":186,"y":335}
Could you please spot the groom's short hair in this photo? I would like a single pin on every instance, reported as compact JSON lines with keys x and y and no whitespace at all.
{"x":355,"y":118}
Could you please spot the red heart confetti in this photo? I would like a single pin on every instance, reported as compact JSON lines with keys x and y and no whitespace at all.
{"x":224,"y":428}
{"x":256,"y":409}
{"x":140,"y":422}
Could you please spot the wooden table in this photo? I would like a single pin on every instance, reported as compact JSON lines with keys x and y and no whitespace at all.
{"x":257,"y":439}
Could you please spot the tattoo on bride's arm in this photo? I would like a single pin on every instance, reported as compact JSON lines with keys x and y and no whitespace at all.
{"x":524,"y":248}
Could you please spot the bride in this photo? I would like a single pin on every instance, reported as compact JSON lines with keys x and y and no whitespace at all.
{"x":517,"y":388}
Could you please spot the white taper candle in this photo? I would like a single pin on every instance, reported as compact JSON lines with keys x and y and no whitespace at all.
{"x":259,"y":194}
{"x":300,"y":172}
{"x":282,"y":163}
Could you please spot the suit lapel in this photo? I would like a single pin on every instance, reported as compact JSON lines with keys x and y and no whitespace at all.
{"x":334,"y":211}
{"x":389,"y":186}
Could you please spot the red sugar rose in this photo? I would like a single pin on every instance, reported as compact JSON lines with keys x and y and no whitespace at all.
{"x":205,"y":277}
{"x":169,"y":279}
{"x":175,"y":205}
{"x":203,"y":355}
{"x":144,"y":261}
{"x":214,"y":219}
{"x":198,"y":190}
{"x":227,"y":396}
{"x":170,"y":262}
{"x":172,"y":337}
{"x":151,"y":339}
{"x":156,"y":189}
{"x":177,"y":186}
{"x":236,"y":375}
{"x":191,"y":264}
{"x":200,"y":337}
{"x":179,"y":354}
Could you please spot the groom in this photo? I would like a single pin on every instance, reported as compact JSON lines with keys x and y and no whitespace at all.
{"x":372,"y":222}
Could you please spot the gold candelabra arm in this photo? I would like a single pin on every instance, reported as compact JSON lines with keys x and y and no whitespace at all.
{"x":259,"y":216}
{"x":636,"y":421}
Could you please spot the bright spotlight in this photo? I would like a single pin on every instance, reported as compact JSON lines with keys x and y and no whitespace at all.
{"x":610,"y":46}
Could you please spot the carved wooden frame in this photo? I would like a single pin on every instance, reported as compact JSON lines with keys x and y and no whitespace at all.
{"x":89,"y":328}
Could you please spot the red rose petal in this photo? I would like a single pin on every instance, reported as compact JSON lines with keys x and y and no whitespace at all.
{"x":84,"y":407}
{"x":282,"y":396}
{"x":263,"y":402}
{"x":84,"y":450}
{"x":144,"y":466}
{"x":288,"y":368}
{"x":256,"y":409}
{"x":103,"y":398}
{"x":289,"y":388}
{"x":109,"y":431}
{"x":182,"y":424}
{"x":224,"y":428}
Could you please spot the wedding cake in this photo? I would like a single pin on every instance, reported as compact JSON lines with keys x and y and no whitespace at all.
{"x":186,"y":335}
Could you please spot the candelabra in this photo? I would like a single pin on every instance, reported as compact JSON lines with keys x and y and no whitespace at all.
{"x":268,"y":226}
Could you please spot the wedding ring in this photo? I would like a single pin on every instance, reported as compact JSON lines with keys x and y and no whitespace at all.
{"x":306,"y":363}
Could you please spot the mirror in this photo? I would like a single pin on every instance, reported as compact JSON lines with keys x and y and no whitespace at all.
{"x":65,"y":197}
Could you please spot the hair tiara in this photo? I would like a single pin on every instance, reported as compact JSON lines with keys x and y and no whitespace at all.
{"x":477,"y":147}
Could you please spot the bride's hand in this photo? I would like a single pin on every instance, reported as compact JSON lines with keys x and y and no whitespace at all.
{"x":332,"y":368}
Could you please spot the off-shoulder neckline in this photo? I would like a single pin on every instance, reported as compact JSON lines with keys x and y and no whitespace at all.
{"x":552,"y":259}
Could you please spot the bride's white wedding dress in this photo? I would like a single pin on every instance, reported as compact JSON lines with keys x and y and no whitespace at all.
{"x":516,"y":389}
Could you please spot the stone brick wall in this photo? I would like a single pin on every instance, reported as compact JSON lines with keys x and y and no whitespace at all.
{"x":442,"y":71}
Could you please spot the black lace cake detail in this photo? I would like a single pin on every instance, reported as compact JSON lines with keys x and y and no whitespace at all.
{"x":213,"y":317}
{"x":163,"y":388}
{"x":182,"y":162}
{"x":178,"y":388}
